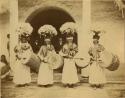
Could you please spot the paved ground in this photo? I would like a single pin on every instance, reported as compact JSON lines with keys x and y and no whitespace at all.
{"x":82,"y":90}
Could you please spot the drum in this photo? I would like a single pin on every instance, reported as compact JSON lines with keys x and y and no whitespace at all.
{"x":32,"y":60}
{"x":80,"y":61}
{"x":55,"y":60}
{"x":106,"y":58}
{"x":109,"y":61}
{"x":115,"y":64}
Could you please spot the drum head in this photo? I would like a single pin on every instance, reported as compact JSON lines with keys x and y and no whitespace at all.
{"x":55,"y":60}
{"x":82,"y":61}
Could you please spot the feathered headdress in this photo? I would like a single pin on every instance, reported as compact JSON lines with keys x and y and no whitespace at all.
{"x":47,"y":31}
{"x":69,"y":28}
{"x":97,"y":34}
{"x":24,"y":29}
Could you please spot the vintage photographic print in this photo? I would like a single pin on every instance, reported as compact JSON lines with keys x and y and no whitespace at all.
{"x":62,"y":48}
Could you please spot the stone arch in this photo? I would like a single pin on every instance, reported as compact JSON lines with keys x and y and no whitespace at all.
{"x":55,"y":16}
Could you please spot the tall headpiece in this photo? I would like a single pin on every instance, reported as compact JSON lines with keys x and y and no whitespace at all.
{"x":69,"y":28}
{"x":48,"y":31}
{"x":24,"y":30}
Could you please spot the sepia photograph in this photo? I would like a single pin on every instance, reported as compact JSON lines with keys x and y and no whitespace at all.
{"x":62,"y":48}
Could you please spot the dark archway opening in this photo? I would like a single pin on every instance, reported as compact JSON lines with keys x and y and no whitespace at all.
{"x":53,"y":16}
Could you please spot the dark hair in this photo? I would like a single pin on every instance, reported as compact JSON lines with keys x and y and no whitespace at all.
{"x":8,"y":35}
{"x":3,"y":59}
{"x":24,"y":36}
{"x":96,"y":35}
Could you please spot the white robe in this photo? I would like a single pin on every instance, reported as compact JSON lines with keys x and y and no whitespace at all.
{"x":45,"y":75}
{"x":69,"y":74}
{"x":96,"y":74}
{"x":21,"y":73}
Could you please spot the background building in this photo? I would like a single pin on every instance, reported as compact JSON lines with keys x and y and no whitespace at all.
{"x":97,"y":14}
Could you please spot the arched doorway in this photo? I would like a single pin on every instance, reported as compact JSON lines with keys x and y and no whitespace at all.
{"x":49,"y":15}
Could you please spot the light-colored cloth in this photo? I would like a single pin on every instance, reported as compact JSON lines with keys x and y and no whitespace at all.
{"x":96,"y":74}
{"x":45,"y":75}
{"x":21,"y":73}
{"x":69,"y":74}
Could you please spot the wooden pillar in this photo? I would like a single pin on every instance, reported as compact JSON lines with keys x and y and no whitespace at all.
{"x":13,"y":25}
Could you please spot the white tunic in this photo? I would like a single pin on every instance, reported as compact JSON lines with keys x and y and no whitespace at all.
{"x":96,"y":72}
{"x":21,"y":71}
{"x":45,"y":75}
{"x":69,"y":74}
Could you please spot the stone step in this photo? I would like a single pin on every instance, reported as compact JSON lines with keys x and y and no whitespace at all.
{"x":58,"y":76}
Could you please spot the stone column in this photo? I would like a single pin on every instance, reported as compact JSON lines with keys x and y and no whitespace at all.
{"x":13,"y":25}
{"x":85,"y":35}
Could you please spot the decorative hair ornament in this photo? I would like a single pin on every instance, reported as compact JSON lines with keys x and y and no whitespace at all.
{"x":47,"y":30}
{"x":97,"y":34}
{"x":70,"y":28}
{"x":24,"y":29}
